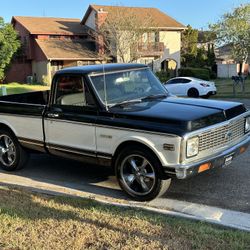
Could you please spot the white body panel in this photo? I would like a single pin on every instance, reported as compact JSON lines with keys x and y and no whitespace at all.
{"x":71,"y":134}
{"x":109,"y":138}
{"x":179,"y":89}
{"x":104,"y":139}
{"x":24,"y":126}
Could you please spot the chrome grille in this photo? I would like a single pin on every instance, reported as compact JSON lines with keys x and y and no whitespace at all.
{"x":221,"y":136}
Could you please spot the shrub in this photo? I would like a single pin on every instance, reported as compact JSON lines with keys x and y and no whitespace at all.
{"x":163,"y":76}
{"x":213,"y":75}
{"x":195,"y":72}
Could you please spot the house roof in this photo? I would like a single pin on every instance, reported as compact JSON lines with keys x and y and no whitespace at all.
{"x":51,"y":25}
{"x":67,"y":50}
{"x":224,"y":52}
{"x":159,"y":19}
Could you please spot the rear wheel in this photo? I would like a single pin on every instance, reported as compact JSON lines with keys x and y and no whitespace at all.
{"x":138,"y":173}
{"x":193,"y":93}
{"x":12,"y":155}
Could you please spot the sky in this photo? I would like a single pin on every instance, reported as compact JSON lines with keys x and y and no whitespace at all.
{"x":197,"y":13}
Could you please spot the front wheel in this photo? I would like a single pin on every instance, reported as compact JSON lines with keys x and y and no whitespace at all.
{"x":12,"y":155}
{"x":138,"y":173}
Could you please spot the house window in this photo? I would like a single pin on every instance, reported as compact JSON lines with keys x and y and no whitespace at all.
{"x":153,"y":37}
{"x":150,"y":37}
{"x":56,"y":65}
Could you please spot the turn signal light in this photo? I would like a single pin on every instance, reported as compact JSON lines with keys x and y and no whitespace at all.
{"x":242,"y":150}
{"x":204,"y":167}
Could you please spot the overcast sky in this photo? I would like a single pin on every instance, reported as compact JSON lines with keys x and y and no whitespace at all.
{"x":197,"y":13}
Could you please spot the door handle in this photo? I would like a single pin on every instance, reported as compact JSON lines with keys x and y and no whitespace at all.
{"x":53,"y":115}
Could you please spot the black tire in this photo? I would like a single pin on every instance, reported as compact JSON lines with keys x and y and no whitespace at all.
{"x":194,"y":93}
{"x":15,"y":161}
{"x":156,"y":187}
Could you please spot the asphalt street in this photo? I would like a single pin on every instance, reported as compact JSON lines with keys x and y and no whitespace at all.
{"x":227,"y":188}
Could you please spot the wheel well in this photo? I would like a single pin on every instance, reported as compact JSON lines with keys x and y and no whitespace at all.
{"x":4,"y":126}
{"x":135,"y":143}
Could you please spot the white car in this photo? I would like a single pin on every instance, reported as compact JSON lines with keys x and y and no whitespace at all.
{"x":191,"y":87}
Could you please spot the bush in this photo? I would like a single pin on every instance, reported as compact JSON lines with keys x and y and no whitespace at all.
{"x":195,"y":72}
{"x":163,"y":76}
{"x":213,"y":75}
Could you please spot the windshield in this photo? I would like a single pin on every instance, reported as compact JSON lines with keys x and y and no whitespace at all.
{"x":127,"y":85}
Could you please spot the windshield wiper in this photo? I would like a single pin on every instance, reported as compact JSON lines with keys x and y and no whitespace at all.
{"x":151,"y":97}
{"x":123,"y":103}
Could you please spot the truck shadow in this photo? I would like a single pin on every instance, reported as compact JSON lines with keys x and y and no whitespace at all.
{"x":96,"y":180}
{"x":92,"y":179}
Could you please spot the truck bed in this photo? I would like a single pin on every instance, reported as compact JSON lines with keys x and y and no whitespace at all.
{"x":38,"y":97}
{"x":27,"y":104}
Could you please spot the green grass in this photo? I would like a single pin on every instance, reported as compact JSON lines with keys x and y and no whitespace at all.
{"x":225,"y":89}
{"x":38,"y":221}
{"x":17,"y":88}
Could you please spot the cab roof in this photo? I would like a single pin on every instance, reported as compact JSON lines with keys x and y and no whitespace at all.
{"x":99,"y":68}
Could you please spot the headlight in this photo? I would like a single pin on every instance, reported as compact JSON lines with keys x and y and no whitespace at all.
{"x":193,"y":146}
{"x":247,"y":124}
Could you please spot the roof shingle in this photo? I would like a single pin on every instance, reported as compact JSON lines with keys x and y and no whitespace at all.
{"x":159,"y":19}
{"x":67,"y":50}
{"x":51,"y":25}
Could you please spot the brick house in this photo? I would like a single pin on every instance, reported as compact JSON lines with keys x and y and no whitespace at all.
{"x":49,"y":44}
{"x":160,"y":48}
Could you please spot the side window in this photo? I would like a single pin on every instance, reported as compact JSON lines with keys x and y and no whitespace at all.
{"x":185,"y":80}
{"x":174,"y":81}
{"x":72,"y":91}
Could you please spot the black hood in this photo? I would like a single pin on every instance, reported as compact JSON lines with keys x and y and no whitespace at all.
{"x":176,"y":115}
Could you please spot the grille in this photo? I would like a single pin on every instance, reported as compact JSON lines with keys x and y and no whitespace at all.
{"x":221,"y":136}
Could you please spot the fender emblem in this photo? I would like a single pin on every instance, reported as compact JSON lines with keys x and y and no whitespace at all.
{"x":106,"y":136}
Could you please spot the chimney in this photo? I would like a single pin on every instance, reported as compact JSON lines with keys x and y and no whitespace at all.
{"x":101,"y":16}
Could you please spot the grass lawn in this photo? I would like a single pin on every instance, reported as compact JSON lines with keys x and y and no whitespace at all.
{"x":225,"y":89}
{"x":17,"y":88}
{"x":38,"y":221}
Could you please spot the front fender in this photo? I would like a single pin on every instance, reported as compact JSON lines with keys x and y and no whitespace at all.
{"x":155,"y":145}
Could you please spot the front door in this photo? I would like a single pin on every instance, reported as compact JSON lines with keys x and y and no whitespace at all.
{"x":70,"y":119}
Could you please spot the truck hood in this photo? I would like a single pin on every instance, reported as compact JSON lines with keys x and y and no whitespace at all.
{"x":177,"y":115}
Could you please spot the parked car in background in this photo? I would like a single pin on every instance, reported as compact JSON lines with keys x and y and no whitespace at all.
{"x":191,"y":87}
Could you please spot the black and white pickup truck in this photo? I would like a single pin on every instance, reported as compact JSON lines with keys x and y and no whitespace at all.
{"x":120,"y":115}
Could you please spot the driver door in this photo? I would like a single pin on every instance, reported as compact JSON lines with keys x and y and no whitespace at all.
{"x":70,"y":119}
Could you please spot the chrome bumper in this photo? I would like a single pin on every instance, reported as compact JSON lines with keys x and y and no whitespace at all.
{"x":183,"y":171}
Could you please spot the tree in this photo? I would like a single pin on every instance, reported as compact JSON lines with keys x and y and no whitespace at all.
{"x":9,"y":44}
{"x":234,"y":29}
{"x":197,"y":48}
{"x":121,"y":33}
{"x":189,"y":42}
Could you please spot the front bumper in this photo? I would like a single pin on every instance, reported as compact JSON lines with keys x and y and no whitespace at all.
{"x":212,"y":92}
{"x":224,"y":158}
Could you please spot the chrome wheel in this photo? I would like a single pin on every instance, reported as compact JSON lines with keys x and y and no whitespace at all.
{"x":7,"y":150}
{"x":137,"y":174}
